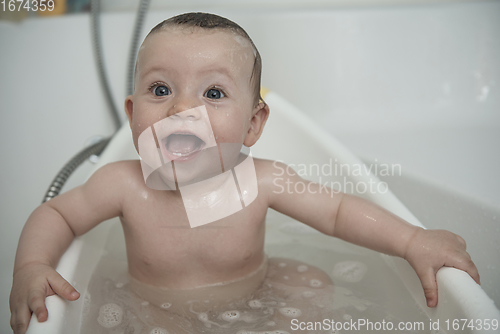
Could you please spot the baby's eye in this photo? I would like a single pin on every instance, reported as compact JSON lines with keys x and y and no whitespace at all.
{"x":161,"y":91}
{"x":214,"y":94}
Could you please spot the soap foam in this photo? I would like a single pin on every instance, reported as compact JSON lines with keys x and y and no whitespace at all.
{"x":350,"y":271}
{"x":165,"y":305}
{"x":255,"y":304}
{"x":302,"y":268}
{"x":230,"y":316}
{"x":110,"y":315}
{"x":315,"y":283}
{"x":291,"y":312}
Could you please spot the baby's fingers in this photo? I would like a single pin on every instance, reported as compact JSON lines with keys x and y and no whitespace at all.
{"x":60,"y":286}
{"x":429,"y":284}
{"x":464,"y":262}
{"x":36,"y":302}
{"x":473,"y":272}
{"x":20,"y":319}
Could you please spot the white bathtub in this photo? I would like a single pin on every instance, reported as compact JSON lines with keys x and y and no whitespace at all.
{"x":379,"y":77}
{"x":442,"y":207}
{"x":291,"y":137}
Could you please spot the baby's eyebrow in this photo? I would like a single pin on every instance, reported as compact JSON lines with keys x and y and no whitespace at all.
{"x":219,"y":70}
{"x":154,"y":69}
{"x":222,"y":70}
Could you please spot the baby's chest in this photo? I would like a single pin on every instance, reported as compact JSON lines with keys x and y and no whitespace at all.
{"x":161,"y":236}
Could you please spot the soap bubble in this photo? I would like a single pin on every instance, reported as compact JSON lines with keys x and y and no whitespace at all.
{"x":350,"y":271}
{"x":165,"y":305}
{"x":203,"y":317}
{"x":110,"y":315}
{"x":291,"y":312}
{"x":315,"y":283}
{"x":302,"y":268}
{"x":254,"y":304}
{"x":230,"y":316}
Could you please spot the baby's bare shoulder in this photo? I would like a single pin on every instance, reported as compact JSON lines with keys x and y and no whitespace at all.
{"x":264,"y":166}
{"x":272,"y":174}
{"x":266,"y":171}
{"x":131,"y":168}
{"x":119,"y":175}
{"x":268,"y":168}
{"x":100,"y":198}
{"x":119,"y":168}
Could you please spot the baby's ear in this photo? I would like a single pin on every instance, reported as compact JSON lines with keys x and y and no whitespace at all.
{"x":129,"y":108}
{"x":259,"y":119}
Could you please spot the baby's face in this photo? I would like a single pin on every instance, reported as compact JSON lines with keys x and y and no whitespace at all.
{"x":179,"y":69}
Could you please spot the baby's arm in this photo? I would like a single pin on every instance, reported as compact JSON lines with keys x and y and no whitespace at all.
{"x":363,"y":223}
{"x":46,"y":235}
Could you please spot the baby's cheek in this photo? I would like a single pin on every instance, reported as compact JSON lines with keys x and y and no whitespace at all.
{"x":140,"y":125}
{"x":137,"y":131}
{"x":228,"y":131}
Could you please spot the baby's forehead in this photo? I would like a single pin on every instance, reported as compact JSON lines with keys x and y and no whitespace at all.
{"x":184,"y":38}
{"x":230,"y":39}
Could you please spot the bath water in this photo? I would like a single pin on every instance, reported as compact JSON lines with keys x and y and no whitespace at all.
{"x":364,"y":289}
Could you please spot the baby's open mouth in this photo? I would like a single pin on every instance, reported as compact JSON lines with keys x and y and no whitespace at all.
{"x":183,"y":144}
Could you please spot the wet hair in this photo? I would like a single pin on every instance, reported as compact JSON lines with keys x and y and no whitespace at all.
{"x":212,"y":21}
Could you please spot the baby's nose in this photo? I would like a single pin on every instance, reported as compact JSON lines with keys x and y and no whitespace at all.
{"x":186,"y":110}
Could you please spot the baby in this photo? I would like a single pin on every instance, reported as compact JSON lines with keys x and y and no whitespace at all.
{"x":202,"y":73}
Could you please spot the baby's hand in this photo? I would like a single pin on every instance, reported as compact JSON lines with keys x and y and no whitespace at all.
{"x":429,"y":250}
{"x":31,"y":284}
